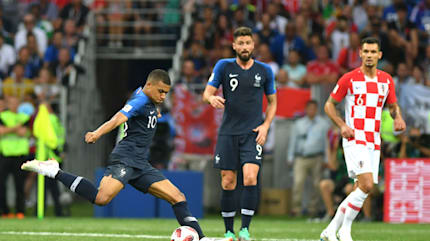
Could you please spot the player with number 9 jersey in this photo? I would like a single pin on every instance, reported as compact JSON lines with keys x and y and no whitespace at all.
{"x":243,"y":130}
{"x":243,"y":91}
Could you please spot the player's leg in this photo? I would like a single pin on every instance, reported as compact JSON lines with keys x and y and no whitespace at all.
{"x":164,"y":189}
{"x":227,"y":160}
{"x":300,"y":174}
{"x":353,"y":156}
{"x":250,"y":158}
{"x":228,"y":200}
{"x":316,"y":173}
{"x":109,"y":186}
{"x":326,"y":188}
{"x":366,"y":169}
{"x":249,"y":197}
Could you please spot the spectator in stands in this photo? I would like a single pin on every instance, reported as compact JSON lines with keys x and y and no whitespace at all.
{"x":51,"y":54}
{"x":33,"y":48}
{"x":375,"y":30}
{"x":282,"y":79}
{"x":198,"y":54}
{"x":337,"y":185}
{"x":295,"y":70}
{"x":29,"y":26}
{"x":247,"y":8}
{"x":277,"y":21}
{"x":45,"y":87}
{"x":349,"y":58}
{"x":62,"y":67}
{"x":7,"y":26}
{"x":17,"y":85}
{"x":425,"y":62}
{"x":101,"y":30}
{"x":359,"y":14}
{"x":403,"y":38}
{"x":282,"y":44}
{"x":312,"y":19}
{"x":30,"y":68}
{"x":116,"y":17}
{"x":264,"y":55}
{"x":15,"y":148}
{"x":322,"y":70}
{"x":264,"y":30}
{"x":418,"y":76}
{"x":40,"y":22}
{"x":390,"y":12}
{"x":339,"y":38}
{"x":224,"y":32}
{"x":4,"y":209}
{"x":75,"y":11}
{"x":190,"y":78}
{"x":402,"y":77}
{"x":239,"y":19}
{"x":419,"y":16}
{"x":71,"y":36}
{"x":210,"y":27}
{"x":306,"y":150}
{"x":8,"y":57}
{"x":414,"y":144}
{"x":36,"y":57}
{"x":48,"y":10}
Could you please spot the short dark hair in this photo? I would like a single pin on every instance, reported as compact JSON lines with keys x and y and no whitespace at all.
{"x":242,"y":31}
{"x":312,"y":102}
{"x":159,"y":75}
{"x":371,"y":40}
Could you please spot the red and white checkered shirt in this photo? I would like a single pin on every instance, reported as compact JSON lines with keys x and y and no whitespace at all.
{"x":364,"y":100}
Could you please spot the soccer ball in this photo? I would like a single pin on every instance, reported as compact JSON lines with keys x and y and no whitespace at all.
{"x":184,"y":233}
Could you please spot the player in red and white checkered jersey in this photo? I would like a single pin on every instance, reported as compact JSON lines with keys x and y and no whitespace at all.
{"x":365,"y":90}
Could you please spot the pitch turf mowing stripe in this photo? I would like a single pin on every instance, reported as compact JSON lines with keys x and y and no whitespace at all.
{"x":105,"y":235}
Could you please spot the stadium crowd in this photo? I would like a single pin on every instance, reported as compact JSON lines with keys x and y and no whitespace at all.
{"x":38,"y":41}
{"x":309,"y":44}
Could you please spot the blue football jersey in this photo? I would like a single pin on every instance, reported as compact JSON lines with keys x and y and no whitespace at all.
{"x":138,"y":130}
{"x":243,"y":91}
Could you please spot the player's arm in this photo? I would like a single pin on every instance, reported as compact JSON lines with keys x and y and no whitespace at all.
{"x":330,"y":110}
{"x":108,"y":126}
{"x":212,"y":99}
{"x":399,"y":123}
{"x":209,"y":95}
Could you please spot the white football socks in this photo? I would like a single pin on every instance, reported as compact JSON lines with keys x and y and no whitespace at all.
{"x":337,"y":220}
{"x":353,"y":206}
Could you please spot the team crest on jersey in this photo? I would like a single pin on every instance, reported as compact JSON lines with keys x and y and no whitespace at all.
{"x":257,"y":82}
{"x":383,"y":88}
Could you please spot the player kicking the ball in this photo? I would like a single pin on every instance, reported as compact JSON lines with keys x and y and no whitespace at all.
{"x":129,"y":159}
{"x":366,"y":90}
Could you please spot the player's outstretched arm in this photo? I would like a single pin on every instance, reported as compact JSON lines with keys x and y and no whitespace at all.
{"x":212,"y":99}
{"x":396,"y":114}
{"x":115,"y":121}
{"x":330,"y":110}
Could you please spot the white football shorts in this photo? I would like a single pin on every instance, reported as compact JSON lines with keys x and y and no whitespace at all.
{"x":361,"y":159}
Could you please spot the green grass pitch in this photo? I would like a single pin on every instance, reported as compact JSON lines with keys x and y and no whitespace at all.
{"x":262,"y":228}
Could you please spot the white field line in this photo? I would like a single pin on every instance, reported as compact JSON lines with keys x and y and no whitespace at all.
{"x":106,"y":235}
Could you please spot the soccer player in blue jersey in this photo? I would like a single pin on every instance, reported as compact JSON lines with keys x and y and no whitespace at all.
{"x":243,"y":130}
{"x":129,"y":159}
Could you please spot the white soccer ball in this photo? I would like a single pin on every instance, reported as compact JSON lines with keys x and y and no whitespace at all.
{"x":184,"y":233}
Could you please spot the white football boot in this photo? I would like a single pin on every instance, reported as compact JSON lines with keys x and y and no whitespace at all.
{"x":344,"y":235}
{"x":326,"y":235}
{"x":48,"y":168}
